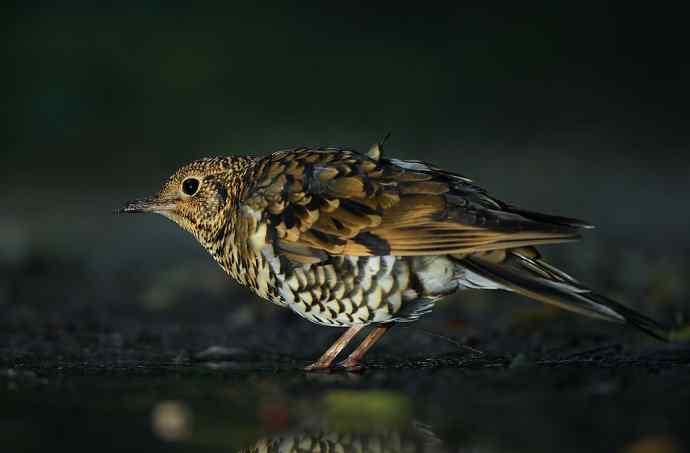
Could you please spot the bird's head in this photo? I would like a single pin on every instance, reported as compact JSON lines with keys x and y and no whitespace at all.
{"x":197,"y":196}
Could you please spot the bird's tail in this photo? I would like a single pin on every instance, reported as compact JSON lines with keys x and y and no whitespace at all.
{"x":522,"y":271}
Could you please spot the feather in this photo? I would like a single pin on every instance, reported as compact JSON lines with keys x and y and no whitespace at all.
{"x":342,"y":202}
{"x":538,"y":280}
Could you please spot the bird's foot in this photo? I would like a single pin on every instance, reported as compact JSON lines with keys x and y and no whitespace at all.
{"x":351,"y":365}
{"x":319,"y":366}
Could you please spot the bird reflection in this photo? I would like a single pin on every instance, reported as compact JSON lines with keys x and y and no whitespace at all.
{"x":418,"y":439}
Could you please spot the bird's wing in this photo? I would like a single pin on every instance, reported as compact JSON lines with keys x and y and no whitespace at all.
{"x":339,"y":202}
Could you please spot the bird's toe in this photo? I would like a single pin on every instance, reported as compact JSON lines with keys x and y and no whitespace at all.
{"x":351,"y":366}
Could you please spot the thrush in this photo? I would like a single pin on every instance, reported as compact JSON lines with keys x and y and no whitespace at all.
{"x":349,"y":239}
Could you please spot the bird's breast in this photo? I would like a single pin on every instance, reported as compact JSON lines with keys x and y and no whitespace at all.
{"x":344,"y":290}
{"x":338,"y":290}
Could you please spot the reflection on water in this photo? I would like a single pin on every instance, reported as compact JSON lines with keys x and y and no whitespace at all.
{"x":331,"y":441}
{"x":172,"y":421}
{"x":339,"y":421}
{"x":523,"y":408}
{"x":355,"y":421}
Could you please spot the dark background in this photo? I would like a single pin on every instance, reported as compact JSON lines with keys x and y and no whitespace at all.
{"x":573,"y":110}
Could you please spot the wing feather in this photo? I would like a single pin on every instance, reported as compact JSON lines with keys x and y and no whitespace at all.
{"x":339,"y":202}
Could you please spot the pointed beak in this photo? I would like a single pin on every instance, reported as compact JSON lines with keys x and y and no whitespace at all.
{"x":147,"y":205}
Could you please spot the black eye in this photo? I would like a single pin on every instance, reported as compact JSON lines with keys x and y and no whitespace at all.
{"x":190,"y":186}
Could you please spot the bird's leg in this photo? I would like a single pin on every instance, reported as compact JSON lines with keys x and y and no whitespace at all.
{"x":352,"y":362}
{"x":331,"y":353}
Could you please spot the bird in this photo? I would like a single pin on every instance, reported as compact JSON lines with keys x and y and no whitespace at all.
{"x":327,"y":441}
{"x":354,"y":239}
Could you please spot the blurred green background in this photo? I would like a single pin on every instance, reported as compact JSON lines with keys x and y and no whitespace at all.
{"x":574,"y":110}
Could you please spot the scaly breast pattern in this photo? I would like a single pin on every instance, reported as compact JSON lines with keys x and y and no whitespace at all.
{"x":340,"y":290}
{"x":347,"y":290}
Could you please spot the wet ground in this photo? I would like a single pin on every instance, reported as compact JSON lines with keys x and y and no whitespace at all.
{"x":179,"y":359}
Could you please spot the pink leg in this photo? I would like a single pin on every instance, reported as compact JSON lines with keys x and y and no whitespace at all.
{"x":331,"y":353}
{"x":352,"y":362}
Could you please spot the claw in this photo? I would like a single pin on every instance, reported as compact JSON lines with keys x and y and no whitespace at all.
{"x":318,"y":367}
{"x":351,"y":366}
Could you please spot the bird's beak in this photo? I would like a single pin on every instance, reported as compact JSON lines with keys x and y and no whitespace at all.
{"x":147,"y":205}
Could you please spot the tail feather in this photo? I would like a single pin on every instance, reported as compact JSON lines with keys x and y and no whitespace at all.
{"x":551,"y":219}
{"x":535,"y":279}
{"x":634,"y":318}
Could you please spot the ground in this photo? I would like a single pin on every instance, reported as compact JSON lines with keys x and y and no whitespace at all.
{"x":168,"y":358}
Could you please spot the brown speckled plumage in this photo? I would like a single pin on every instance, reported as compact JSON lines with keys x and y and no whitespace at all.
{"x":350,"y":239}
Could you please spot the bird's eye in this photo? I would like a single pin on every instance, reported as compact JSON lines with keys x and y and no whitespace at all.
{"x":190,"y":186}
